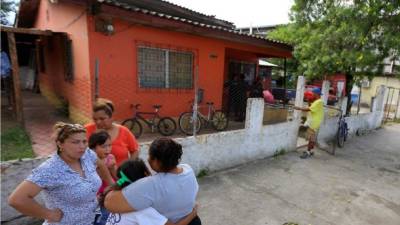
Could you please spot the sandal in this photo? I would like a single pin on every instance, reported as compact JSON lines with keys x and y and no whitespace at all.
{"x":306,"y":154}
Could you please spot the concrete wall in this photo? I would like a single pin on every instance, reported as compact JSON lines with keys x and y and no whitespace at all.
{"x":367,"y":121}
{"x":223,"y":150}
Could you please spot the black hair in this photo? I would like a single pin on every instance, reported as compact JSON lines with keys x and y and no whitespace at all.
{"x":134,"y":169}
{"x":167,"y":151}
{"x":98,"y":138}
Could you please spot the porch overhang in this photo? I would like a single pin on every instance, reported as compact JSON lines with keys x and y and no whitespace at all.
{"x":28,"y":31}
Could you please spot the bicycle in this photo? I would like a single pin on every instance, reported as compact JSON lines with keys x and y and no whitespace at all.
{"x":165,"y":125}
{"x":342,"y":132}
{"x":217,"y":118}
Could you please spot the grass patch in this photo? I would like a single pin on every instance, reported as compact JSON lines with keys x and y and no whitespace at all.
{"x":279,"y":152}
{"x":15,"y":144}
{"x":202,"y":173}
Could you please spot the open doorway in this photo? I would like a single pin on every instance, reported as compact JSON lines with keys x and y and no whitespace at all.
{"x":241,"y":75}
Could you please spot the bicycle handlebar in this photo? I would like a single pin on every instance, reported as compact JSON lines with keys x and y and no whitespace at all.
{"x":137,"y":106}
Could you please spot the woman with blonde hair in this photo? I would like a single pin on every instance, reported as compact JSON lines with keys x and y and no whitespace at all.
{"x":68,"y":180}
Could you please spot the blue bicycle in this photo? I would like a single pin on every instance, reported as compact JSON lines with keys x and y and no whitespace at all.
{"x":342,"y":132}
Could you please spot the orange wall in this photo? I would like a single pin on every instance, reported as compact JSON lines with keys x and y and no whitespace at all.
{"x":118,"y":60}
{"x":71,"y":19}
{"x":118,"y":80}
{"x":118,"y":72}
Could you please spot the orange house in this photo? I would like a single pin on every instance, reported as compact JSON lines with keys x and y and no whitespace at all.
{"x":147,"y":52}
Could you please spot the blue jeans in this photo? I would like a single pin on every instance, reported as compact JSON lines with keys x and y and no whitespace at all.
{"x":101,"y":219}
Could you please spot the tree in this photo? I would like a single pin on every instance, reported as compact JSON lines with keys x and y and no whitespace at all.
{"x":6,"y":8}
{"x":348,"y":36}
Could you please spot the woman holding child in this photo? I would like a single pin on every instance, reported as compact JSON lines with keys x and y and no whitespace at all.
{"x":129,"y":172}
{"x":124,"y":144}
{"x":171,"y":191}
{"x":68,"y":181}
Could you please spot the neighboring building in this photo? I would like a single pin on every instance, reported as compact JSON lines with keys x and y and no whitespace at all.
{"x":369,"y":89}
{"x":258,"y":30}
{"x":389,"y":79}
{"x":148,"y":53}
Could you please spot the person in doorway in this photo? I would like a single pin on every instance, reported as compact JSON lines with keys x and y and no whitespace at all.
{"x":242,"y":98}
{"x":129,"y":172}
{"x":313,"y":122}
{"x":68,"y":181}
{"x":124,"y":144}
{"x":6,"y":79}
{"x":256,"y":90}
{"x":233,"y":90}
{"x":171,"y":191}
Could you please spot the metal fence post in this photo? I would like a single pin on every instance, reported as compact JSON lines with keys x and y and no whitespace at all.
{"x":195,"y":105}
{"x":96,"y":79}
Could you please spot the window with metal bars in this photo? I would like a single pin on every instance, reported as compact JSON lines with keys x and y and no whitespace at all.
{"x":164,"y":68}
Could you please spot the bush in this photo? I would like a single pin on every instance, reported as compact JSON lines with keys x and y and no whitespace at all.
{"x":15,"y":144}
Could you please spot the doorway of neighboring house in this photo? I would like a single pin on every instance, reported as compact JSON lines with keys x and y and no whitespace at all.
{"x":245,"y":71}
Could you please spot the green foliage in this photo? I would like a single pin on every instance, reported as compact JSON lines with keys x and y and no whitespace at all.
{"x":203,"y":173}
{"x":7,"y":6}
{"x":15,"y":144}
{"x":352,"y":37}
{"x":279,"y":152}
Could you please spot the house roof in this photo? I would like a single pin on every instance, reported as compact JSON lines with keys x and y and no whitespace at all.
{"x":131,"y":6}
{"x":263,"y":62}
{"x":166,"y":11}
{"x":165,"y":7}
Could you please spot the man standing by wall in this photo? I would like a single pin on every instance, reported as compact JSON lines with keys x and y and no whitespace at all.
{"x":314,"y":120}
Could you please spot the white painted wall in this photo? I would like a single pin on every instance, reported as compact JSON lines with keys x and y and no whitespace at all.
{"x":368,"y":121}
{"x":223,"y":150}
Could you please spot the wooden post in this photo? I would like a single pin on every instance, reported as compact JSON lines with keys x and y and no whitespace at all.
{"x":15,"y":76}
{"x":37,"y":56}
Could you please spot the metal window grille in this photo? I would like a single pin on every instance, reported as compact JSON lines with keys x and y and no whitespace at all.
{"x":163,"y":68}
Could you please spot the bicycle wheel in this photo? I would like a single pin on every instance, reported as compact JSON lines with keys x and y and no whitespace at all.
{"x":166,"y":126}
{"x":134,"y":126}
{"x":346,"y":131}
{"x":187,"y":122}
{"x":340,"y":136}
{"x":219,"y":120}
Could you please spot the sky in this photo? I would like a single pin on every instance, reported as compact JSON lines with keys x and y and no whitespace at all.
{"x":243,"y":13}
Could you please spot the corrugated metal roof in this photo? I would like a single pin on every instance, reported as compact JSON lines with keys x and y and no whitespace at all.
{"x":131,"y":7}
